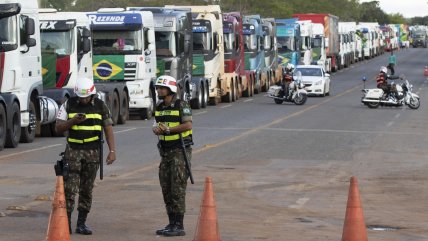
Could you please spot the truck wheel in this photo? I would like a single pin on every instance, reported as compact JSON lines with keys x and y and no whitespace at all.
{"x":228,"y":97}
{"x":29,"y":133}
{"x":124,"y":109}
{"x":205,"y":95}
{"x":196,"y":103}
{"x":14,"y":133}
{"x":115,"y":108}
{"x":2,"y":127}
{"x":147,"y":113}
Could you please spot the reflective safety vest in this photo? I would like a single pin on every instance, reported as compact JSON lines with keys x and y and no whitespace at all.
{"x":171,"y":117}
{"x":85,"y":135}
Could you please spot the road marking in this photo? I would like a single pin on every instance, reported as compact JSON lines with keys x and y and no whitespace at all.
{"x":397,"y":115}
{"x":248,"y":100}
{"x":226,"y":106}
{"x":200,"y":113}
{"x":28,"y":151}
{"x":299,"y":203}
{"x":347,"y":131}
{"x":251,"y":131}
{"x":390,"y":123}
{"x":126,"y":130}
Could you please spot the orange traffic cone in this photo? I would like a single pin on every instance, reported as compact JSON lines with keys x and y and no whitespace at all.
{"x":58,"y":221}
{"x":426,"y":71}
{"x":354,"y":228}
{"x":207,"y":227}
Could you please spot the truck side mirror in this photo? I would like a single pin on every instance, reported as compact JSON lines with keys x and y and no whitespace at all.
{"x":86,"y":45}
{"x":31,"y":42}
{"x":86,"y":33}
{"x":30,"y":28}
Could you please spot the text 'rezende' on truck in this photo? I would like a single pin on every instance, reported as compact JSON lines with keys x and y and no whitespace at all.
{"x":22,"y":107}
{"x":174,"y":52}
{"x":124,"y":61}
{"x":66,"y":55}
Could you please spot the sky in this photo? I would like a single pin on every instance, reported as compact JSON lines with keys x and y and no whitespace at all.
{"x":408,"y":8}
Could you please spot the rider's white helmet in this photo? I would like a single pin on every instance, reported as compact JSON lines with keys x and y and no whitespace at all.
{"x":167,"y":81}
{"x":84,"y":87}
{"x":290,"y":66}
{"x":383,"y":69}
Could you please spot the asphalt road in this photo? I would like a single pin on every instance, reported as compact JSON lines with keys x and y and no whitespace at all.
{"x":280,"y":172}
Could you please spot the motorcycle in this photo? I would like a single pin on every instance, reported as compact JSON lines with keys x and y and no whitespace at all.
{"x":297,"y":93}
{"x":399,"y":95}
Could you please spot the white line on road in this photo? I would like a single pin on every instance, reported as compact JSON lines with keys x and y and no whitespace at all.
{"x":126,"y":130}
{"x":390,"y":123}
{"x":200,"y":113}
{"x":397,"y":115}
{"x":27,"y":151}
{"x":347,"y":131}
{"x":248,"y":100}
{"x":226,"y":106}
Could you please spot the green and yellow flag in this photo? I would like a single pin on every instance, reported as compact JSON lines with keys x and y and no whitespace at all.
{"x":109,"y":67}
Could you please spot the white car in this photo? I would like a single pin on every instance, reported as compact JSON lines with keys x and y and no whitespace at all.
{"x":315,"y":79}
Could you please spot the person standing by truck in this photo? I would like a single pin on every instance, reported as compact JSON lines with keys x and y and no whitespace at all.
{"x":84,"y":117}
{"x":392,"y":62}
{"x":173,"y":124}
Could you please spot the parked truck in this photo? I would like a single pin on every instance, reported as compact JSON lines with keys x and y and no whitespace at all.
{"x":22,"y":107}
{"x":288,"y":38}
{"x":319,"y":47}
{"x":254,"y":51}
{"x":331,"y":34}
{"x":345,"y":49}
{"x":208,"y":52}
{"x":306,"y":41}
{"x":271,"y":51}
{"x":124,"y":61}
{"x":66,"y":55}
{"x":234,"y":60}
{"x":174,"y":52}
{"x":419,"y":37}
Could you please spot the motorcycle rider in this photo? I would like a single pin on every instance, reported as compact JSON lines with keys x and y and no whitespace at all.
{"x":288,"y":80}
{"x":382,"y":82}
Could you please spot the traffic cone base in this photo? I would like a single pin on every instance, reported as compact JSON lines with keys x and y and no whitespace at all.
{"x":58,"y":229}
{"x":354,"y":227}
{"x":207,"y":227}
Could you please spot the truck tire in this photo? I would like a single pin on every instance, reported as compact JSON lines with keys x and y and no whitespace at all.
{"x":228,"y":96}
{"x":14,"y":133}
{"x":196,"y":103}
{"x":124,"y":109}
{"x":2,"y":127}
{"x":205,"y":95}
{"x":29,"y":133}
{"x":247,"y":91}
{"x":115,"y":108}
{"x":147,"y":113}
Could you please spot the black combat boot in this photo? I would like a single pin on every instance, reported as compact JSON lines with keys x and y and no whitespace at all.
{"x":167,"y":227}
{"x":177,"y":229}
{"x":69,"y":222}
{"x":81,"y":226}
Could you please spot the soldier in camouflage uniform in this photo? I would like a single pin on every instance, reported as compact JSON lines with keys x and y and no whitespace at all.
{"x":173,"y":118}
{"x":84,"y":117}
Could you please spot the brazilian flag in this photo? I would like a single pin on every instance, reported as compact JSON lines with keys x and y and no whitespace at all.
{"x":49,"y":70}
{"x":198,"y":68}
{"x":109,"y":67}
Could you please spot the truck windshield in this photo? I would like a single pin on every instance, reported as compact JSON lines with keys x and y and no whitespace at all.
{"x":285,"y":44}
{"x":60,"y":43}
{"x":250,"y":42}
{"x":8,"y":34}
{"x":229,"y":42}
{"x":117,"y":42}
{"x":165,"y":44}
{"x":201,"y":42}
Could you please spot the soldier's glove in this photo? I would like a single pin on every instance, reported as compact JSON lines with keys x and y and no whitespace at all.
{"x":58,"y":168}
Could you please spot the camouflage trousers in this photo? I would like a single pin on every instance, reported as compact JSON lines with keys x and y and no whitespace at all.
{"x":83,"y":168}
{"x":173,"y":179}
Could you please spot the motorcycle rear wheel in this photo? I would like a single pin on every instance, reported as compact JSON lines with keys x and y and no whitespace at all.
{"x":373,"y":105}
